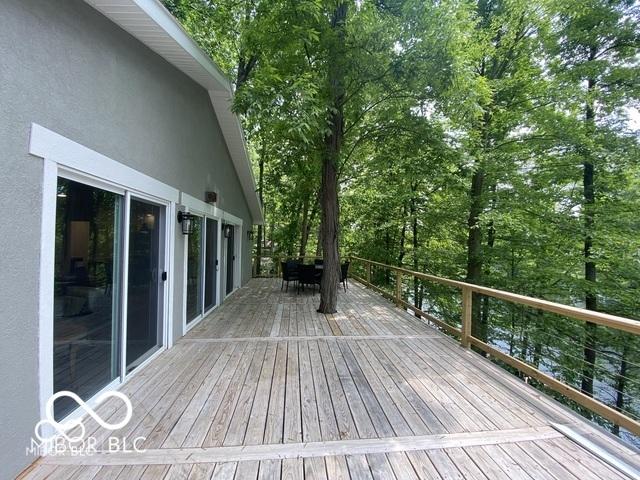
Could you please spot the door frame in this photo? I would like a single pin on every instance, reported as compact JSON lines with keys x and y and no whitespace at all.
{"x":64,"y":157}
{"x":203,"y":210}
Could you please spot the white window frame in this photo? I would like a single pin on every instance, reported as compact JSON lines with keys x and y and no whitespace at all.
{"x":69,"y":159}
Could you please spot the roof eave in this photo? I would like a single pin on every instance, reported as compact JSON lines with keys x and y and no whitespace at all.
{"x":153,"y":25}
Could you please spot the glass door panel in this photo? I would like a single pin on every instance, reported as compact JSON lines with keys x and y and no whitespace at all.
{"x":211,"y":264}
{"x":86,"y":291}
{"x":230,"y":259}
{"x":194,"y":271}
{"x":145,"y":297}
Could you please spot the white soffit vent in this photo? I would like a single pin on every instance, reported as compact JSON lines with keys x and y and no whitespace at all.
{"x":154,"y":26}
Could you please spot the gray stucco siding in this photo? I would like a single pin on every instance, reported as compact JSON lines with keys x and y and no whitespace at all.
{"x":66,"y":67}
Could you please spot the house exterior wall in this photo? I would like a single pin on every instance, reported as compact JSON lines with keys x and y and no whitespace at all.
{"x":66,"y":67}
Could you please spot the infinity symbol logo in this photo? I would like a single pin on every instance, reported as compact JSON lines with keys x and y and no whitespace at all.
{"x":62,"y":428}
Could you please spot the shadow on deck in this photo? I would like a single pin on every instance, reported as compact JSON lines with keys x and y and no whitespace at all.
{"x":265,"y":387}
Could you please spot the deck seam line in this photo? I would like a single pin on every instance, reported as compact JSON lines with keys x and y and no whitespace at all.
{"x":307,"y":338}
{"x":307,"y":449}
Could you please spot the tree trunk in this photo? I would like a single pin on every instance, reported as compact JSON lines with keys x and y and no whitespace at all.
{"x":621,"y":383}
{"x":590,"y":339}
{"x":491,"y":236}
{"x":403,"y":235}
{"x":331,"y":258}
{"x":474,"y":245}
{"x":330,"y":158}
{"x":418,"y":288}
{"x":261,"y":196}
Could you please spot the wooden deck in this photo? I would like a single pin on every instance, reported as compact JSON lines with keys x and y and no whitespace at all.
{"x":265,"y":387}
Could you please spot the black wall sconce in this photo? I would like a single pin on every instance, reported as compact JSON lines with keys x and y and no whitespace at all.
{"x":228,"y":231}
{"x":250,"y":234}
{"x":186,"y":220}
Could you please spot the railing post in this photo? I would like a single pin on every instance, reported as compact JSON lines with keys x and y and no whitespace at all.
{"x":467,"y":300}
{"x":368,"y":271}
{"x":398,"y":287}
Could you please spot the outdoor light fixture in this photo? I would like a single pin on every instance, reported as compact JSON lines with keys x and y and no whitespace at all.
{"x":228,"y":229}
{"x":250,"y":234}
{"x":186,"y":220}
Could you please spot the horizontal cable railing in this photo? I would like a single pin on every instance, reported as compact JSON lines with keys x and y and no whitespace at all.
{"x":455,"y":318}
{"x":617,"y":416}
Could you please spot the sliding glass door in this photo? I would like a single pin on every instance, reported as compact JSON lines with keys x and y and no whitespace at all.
{"x":145,"y":299}
{"x":202,"y":268}
{"x":95,"y":343}
{"x":211,"y":265}
{"x":86,"y":291}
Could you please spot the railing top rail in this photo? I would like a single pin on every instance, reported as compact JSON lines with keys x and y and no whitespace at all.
{"x":605,"y":319}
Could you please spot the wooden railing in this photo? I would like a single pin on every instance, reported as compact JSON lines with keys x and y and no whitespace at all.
{"x":467,"y":339}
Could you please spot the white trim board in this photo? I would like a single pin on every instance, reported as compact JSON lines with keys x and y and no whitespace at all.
{"x":46,"y":286}
{"x":45,"y":143}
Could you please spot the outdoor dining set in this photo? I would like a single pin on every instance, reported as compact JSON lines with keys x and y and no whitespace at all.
{"x":308,"y":275}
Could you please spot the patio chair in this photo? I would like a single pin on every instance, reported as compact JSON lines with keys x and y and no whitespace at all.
{"x":344,"y":274}
{"x":308,"y":275}
{"x":289,"y":273}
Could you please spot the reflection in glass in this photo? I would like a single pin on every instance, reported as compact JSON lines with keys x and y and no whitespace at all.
{"x":211,"y":265}
{"x":194,"y":271}
{"x":85,"y":352}
{"x":144,"y":290}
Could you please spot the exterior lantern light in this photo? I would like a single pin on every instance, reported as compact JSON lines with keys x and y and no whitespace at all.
{"x":186,"y":220}
{"x":250,"y":234}
{"x":228,"y":229}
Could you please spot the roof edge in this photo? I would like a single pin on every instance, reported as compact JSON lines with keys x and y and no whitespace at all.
{"x":154,"y":26}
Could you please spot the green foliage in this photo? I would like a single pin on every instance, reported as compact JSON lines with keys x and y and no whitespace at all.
{"x":438,"y":94}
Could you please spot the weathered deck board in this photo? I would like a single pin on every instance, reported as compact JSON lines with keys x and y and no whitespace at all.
{"x":265,"y":387}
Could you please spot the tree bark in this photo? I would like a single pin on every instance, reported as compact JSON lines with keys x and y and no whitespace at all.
{"x":330,"y":158}
{"x":474,"y":245}
{"x":403,"y":235}
{"x":621,"y":383}
{"x":417,"y":284}
{"x":491,"y":237}
{"x":590,"y":339}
